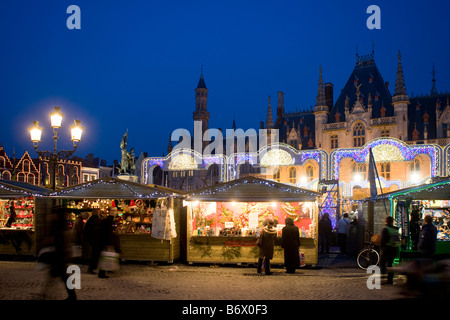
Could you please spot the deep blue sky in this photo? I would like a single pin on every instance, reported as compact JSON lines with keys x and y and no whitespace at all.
{"x":135,"y":64}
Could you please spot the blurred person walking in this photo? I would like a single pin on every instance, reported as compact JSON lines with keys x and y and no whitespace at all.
{"x":56,"y":252}
{"x":92,"y":236}
{"x":108,"y":240}
{"x":390,"y":241}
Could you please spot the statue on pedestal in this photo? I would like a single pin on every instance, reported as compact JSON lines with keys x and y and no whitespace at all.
{"x":127,"y":163}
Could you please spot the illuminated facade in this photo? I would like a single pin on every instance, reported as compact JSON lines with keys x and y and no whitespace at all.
{"x":409,"y":137}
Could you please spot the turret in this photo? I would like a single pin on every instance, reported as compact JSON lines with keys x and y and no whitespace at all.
{"x":320,"y":111}
{"x":400,"y":102}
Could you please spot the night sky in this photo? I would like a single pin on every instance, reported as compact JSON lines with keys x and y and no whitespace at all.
{"x":134,"y":64}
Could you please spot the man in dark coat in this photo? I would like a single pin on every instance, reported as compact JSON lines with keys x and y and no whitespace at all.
{"x":427,"y":238}
{"x":92,"y":235}
{"x":290,"y":242}
{"x":325,"y":229}
{"x":268,"y":235}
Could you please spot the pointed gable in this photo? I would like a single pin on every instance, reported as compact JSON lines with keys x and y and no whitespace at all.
{"x":366,"y":78}
{"x":5,"y":162}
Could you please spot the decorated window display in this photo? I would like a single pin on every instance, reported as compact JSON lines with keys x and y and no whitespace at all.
{"x":248,"y":218}
{"x":153,"y":217}
{"x":17,"y":213}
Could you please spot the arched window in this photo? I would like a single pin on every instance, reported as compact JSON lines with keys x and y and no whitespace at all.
{"x":26,"y":166}
{"x":30,"y":178}
{"x":6,"y":175}
{"x":293,"y":175}
{"x":21,"y":177}
{"x":415,"y":165}
{"x":359,"y":134}
{"x":276,"y":175}
{"x":309,"y":173}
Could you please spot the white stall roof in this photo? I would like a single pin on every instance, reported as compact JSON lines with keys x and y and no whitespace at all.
{"x":252,"y":189}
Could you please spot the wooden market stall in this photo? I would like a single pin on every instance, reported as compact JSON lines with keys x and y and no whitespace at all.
{"x":409,"y":206}
{"x":28,"y":201}
{"x":224,"y":221}
{"x":150,"y":219}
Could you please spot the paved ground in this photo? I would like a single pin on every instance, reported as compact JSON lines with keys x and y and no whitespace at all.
{"x":335,"y":278}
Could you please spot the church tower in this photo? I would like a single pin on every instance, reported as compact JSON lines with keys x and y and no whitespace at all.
{"x":320,"y":111}
{"x":400,"y":102}
{"x":269,"y":118}
{"x":201,"y":103}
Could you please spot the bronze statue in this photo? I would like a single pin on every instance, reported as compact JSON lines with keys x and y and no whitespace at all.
{"x":127,"y":165}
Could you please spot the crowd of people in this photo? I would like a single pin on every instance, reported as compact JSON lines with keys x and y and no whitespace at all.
{"x":90,"y":235}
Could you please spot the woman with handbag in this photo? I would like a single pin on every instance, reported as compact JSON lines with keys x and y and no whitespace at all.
{"x":266,"y":243}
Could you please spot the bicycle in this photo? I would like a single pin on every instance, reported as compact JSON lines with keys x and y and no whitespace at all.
{"x":369,"y":256}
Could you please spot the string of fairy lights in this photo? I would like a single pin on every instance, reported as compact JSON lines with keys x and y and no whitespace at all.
{"x":253,"y":181}
{"x":88,"y":185}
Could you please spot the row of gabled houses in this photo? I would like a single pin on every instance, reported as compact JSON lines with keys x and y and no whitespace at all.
{"x":39,"y":171}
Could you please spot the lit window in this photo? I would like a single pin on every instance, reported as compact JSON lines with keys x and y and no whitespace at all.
{"x":334,"y":141}
{"x":276,"y":175}
{"x":293,"y":175}
{"x":309,"y":173}
{"x":360,"y":169}
{"x":386,"y":170}
{"x":359,"y":135}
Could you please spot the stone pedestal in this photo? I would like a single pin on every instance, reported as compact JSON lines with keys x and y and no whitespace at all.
{"x":128,"y":177}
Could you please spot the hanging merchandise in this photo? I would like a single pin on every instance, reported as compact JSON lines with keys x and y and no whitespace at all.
{"x":170,"y":231}
{"x":163,"y":222}
{"x":159,"y":223}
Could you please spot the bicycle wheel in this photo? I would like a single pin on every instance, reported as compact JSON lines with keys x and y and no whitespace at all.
{"x":367,"y":258}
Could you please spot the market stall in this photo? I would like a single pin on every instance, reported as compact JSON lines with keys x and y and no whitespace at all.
{"x":410,"y":206}
{"x":20,"y":204}
{"x":225,"y":220}
{"x":148,"y":218}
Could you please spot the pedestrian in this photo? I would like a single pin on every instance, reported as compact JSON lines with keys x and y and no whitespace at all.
{"x":57,"y":251}
{"x":91,"y":233}
{"x":12,"y":215}
{"x":325,"y":229}
{"x":427,"y":238}
{"x":342,"y":228}
{"x":77,"y":234}
{"x":290,"y":242}
{"x":267,"y":241}
{"x":107,"y":239}
{"x":390,"y":241}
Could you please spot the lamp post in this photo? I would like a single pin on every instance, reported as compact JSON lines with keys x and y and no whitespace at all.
{"x":35,"y":134}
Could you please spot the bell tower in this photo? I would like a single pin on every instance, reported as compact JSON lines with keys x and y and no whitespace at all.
{"x":320,"y":111}
{"x":201,"y":103}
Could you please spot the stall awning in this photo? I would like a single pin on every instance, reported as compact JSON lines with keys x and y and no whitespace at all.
{"x":433,"y":191}
{"x":112,"y":188}
{"x":18,"y":189}
{"x":252,"y":189}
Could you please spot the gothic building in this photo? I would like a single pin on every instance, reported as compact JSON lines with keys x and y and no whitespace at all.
{"x":408,"y":135}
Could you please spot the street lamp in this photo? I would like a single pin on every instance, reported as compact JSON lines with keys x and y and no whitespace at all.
{"x":56,"y":120}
